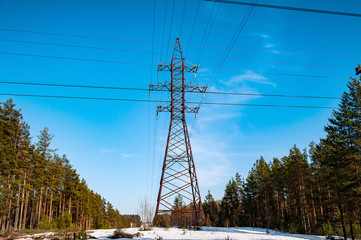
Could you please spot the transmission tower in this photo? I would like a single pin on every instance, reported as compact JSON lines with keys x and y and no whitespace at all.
{"x":179,"y":174}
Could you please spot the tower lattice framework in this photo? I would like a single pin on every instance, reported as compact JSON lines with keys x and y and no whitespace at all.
{"x":178,"y":174}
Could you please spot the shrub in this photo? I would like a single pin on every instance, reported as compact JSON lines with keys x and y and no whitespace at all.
{"x":45,"y":224}
{"x":121,"y":234}
{"x":64,"y":221}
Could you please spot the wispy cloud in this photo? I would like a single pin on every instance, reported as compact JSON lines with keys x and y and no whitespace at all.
{"x":213,"y":165}
{"x":250,"y":76}
{"x":107,"y":152}
{"x":269,"y":45}
{"x":219,"y":116}
{"x":125,"y":155}
{"x":104,"y":151}
{"x":258,"y":34}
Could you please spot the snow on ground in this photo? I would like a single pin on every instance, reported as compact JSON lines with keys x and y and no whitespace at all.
{"x":209,"y":233}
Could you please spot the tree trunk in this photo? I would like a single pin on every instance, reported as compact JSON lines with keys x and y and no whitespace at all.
{"x":314,"y":213}
{"x":9,"y":209}
{"x":51,"y":207}
{"x":341,"y":218}
{"x":45,"y":208}
{"x":320,"y":198}
{"x":77,"y":214}
{"x":351,"y":226}
{"x":39,"y":204}
{"x":33,"y":213}
{"x":69,"y":210}
{"x":22,"y":203}
{"x":63,"y":205}
{"x":25,"y":210}
{"x":17,"y":207}
{"x":60,"y":198}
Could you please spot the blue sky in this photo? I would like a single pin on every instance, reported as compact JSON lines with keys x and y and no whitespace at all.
{"x":118,"y":147}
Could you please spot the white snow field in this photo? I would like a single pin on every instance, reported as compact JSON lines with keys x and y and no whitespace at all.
{"x":243,"y":233}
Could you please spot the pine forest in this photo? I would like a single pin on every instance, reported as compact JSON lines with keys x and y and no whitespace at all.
{"x":40,"y":189}
{"x":315,"y":190}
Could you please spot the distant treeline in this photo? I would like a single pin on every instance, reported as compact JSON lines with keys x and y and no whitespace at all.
{"x":316,"y":191}
{"x":40,"y":189}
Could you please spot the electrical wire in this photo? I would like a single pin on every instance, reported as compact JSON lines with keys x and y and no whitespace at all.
{"x":170,"y":28}
{"x":230,"y":46}
{"x":155,"y":101}
{"x":165,"y":14}
{"x":151,"y":80}
{"x":148,"y":64}
{"x":72,"y":58}
{"x":152,"y":52}
{"x":232,"y":42}
{"x":194,"y":23}
{"x":206,"y":33}
{"x":289,"y":8}
{"x":79,"y":46}
{"x":182,"y":19}
{"x":162,"y":90}
{"x":197,"y":46}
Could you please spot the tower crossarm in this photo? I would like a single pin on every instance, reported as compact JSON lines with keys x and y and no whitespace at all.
{"x":168,"y":67}
{"x":168,"y":108}
{"x":168,"y":87}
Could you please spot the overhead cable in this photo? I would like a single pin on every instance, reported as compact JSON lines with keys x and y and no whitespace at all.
{"x":152,"y":52}
{"x":197,"y":46}
{"x":156,"y":101}
{"x":194,"y":23}
{"x":148,"y":64}
{"x":145,"y":89}
{"x":349,"y":14}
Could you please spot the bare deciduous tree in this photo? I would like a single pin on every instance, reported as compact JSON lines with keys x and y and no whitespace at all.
{"x":145,"y":210}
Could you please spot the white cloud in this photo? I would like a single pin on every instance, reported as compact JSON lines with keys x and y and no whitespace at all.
{"x":269,"y":45}
{"x":219,"y":116}
{"x":212,"y":164}
{"x":250,"y":76}
{"x":105,"y":151}
{"x":258,"y":34}
{"x":124,"y":155}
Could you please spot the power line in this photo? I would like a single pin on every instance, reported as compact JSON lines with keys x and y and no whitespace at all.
{"x":72,"y":58}
{"x":282,"y":74}
{"x":151,"y":80}
{"x":181,"y":24}
{"x":230,"y":45}
{"x":76,"y":35}
{"x":170,"y":28}
{"x":197,"y":46}
{"x":79,"y":46}
{"x":289,"y":8}
{"x":233,"y":41}
{"x":273,"y":62}
{"x":194,"y":23}
{"x":148,"y":64}
{"x":153,"y":36}
{"x":207,"y":31}
{"x":165,"y":14}
{"x":152,"y":52}
{"x":145,"y":89}
{"x":155,"y":101}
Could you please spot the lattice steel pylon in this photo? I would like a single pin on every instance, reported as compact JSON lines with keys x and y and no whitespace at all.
{"x":179,"y":174}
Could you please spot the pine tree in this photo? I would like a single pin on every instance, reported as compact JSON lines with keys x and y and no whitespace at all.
{"x":211,"y":210}
{"x":342,"y":146}
{"x":39,"y":189}
{"x":230,"y":208}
